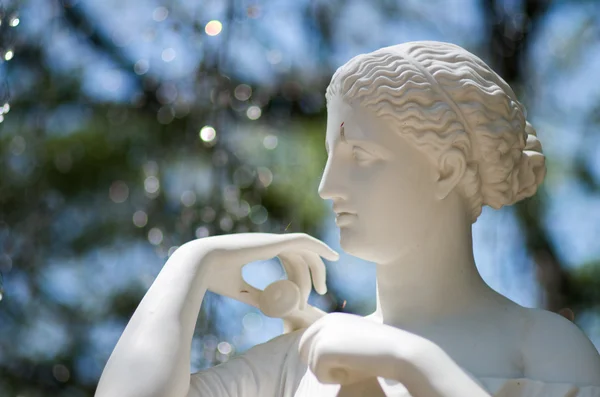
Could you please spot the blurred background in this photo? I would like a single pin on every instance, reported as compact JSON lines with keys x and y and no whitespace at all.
{"x":130,"y":127}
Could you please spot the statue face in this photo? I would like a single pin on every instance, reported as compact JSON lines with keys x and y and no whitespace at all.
{"x":381,"y":185}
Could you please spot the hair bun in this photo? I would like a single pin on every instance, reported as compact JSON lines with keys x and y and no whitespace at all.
{"x":532,"y":166}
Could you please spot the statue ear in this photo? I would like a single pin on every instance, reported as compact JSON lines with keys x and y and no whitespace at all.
{"x":452,"y":167}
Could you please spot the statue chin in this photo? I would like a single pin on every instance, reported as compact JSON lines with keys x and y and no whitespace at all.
{"x":352,"y":242}
{"x":379,"y":250}
{"x":356,"y":243}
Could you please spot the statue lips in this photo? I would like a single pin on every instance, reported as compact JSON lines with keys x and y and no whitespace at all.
{"x":344,"y":218}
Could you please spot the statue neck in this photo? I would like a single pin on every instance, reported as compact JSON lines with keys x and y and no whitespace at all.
{"x":435,"y":280}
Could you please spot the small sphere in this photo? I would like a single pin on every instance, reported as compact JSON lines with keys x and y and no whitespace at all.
{"x":280,"y":299}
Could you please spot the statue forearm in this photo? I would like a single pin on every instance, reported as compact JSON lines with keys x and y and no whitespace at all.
{"x":152,"y":356}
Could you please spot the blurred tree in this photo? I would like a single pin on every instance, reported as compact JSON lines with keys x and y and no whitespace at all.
{"x":104,"y":183}
{"x":512,"y":30}
{"x":158,"y":156}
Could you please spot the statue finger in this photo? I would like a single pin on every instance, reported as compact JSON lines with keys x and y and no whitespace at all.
{"x":302,"y":241}
{"x":317,"y":271}
{"x":297,"y":272}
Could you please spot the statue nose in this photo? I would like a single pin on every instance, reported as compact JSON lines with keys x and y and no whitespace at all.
{"x":331,"y":187}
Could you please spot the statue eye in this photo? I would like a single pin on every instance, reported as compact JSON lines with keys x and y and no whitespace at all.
{"x":361,"y":155}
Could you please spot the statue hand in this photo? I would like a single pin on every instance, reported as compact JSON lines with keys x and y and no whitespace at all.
{"x":343,"y":348}
{"x":300,"y":254}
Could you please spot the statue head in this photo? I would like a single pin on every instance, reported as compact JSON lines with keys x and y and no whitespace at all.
{"x":417,"y":129}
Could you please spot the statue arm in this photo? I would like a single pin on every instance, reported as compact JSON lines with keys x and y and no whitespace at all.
{"x":344,"y":349}
{"x":429,"y":372}
{"x":152,"y":357}
{"x":153,"y":354}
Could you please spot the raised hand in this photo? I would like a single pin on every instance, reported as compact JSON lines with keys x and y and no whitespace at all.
{"x":300,"y":254}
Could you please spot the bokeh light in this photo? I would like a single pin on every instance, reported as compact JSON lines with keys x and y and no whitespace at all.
{"x":168,"y":54}
{"x":61,"y":373}
{"x":213,"y":28}
{"x":165,"y":114}
{"x":160,"y":14}
{"x":226,"y":223}
{"x":172,"y":250}
{"x":188,"y":198}
{"x":201,"y":232}
{"x":167,"y":93}
{"x":270,"y":142}
{"x":259,"y":214}
{"x":141,"y":67}
{"x":225,"y":348}
{"x":252,"y":321}
{"x":265,"y":176}
{"x":208,"y":133}
{"x":155,"y":236}
{"x":242,"y":92}
{"x":140,"y":218}
{"x":151,"y":184}
{"x":243,"y":209}
{"x":118,"y":192}
{"x":253,"y":113}
{"x":208,"y":214}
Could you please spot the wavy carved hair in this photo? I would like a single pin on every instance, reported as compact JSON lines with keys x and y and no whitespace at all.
{"x":443,"y":98}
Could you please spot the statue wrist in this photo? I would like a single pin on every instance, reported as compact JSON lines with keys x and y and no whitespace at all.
{"x":414,"y":364}
{"x":427,"y":370}
{"x":196,"y":258}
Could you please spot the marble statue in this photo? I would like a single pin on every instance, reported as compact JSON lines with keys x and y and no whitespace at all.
{"x":419,"y":137}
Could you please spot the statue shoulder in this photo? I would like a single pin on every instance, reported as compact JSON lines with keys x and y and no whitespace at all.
{"x":260,"y":371}
{"x":556,"y":350}
{"x":279,"y":345}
